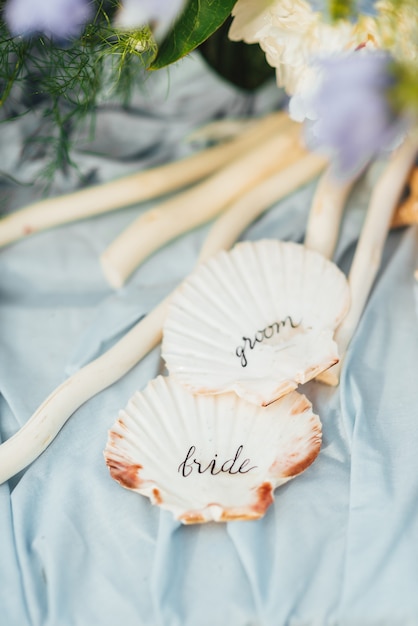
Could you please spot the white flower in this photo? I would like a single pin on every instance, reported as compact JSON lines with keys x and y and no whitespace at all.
{"x":293,"y":36}
{"x":398,"y":29}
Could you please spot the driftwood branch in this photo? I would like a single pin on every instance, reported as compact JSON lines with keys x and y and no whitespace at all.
{"x":137,"y":187}
{"x":197,"y":205}
{"x":368,"y":254}
{"x":43,"y":426}
{"x":229,"y":226}
{"x":325,"y":215}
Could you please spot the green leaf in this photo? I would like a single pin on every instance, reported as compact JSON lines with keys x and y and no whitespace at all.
{"x":198,"y":21}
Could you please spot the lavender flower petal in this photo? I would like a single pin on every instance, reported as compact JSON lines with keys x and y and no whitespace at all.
{"x":58,"y":19}
{"x":354,"y":118}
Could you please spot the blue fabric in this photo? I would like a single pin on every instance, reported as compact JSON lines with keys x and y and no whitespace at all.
{"x":339,"y":545}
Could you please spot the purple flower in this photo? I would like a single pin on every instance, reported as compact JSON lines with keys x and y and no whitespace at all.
{"x":159,"y":14}
{"x":354,"y":119}
{"x":58,"y":19}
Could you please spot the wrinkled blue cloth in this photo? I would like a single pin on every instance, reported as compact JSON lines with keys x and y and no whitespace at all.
{"x":340,"y":544}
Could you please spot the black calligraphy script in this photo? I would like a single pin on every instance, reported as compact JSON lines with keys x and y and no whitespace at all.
{"x":215,"y":466}
{"x":260,"y":336}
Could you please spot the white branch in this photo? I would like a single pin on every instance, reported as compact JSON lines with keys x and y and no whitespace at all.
{"x":41,"y":429}
{"x":43,"y":426}
{"x":367,"y":258}
{"x":197,"y":205}
{"x":137,"y":187}
{"x":326,"y":213}
{"x":246,"y":209}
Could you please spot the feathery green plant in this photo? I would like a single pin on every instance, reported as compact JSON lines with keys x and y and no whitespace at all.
{"x":64,"y":81}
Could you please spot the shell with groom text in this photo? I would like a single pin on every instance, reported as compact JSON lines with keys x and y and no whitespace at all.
{"x":257,"y":320}
{"x":210,"y":457}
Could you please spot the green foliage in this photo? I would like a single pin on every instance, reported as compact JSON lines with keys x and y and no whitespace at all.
{"x":199,"y":20}
{"x":65,"y":81}
{"x":62,"y":83}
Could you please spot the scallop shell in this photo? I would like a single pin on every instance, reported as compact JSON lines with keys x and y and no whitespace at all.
{"x":257,"y":320}
{"x":210,"y":457}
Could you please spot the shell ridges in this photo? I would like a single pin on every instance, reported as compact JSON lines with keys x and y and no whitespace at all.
{"x":210,"y":458}
{"x":257,"y":320}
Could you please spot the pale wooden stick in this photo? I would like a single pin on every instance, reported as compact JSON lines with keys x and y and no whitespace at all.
{"x":325,"y":214}
{"x":196,"y":206}
{"x":219,"y":130}
{"x":43,"y":426}
{"x":137,"y":187}
{"x":246,"y":209}
{"x":367,"y":258}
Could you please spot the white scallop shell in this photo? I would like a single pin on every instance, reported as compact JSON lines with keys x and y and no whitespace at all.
{"x":210,"y":457}
{"x":257,"y":320}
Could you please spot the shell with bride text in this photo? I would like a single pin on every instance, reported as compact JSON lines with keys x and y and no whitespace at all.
{"x":210,"y":458}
